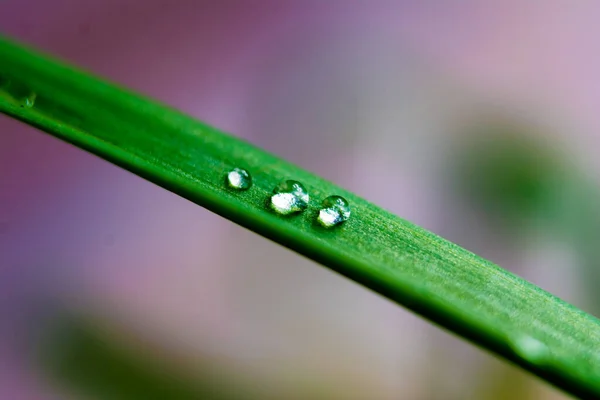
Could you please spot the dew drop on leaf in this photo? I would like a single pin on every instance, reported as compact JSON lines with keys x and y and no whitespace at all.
{"x":29,"y":100}
{"x":239,"y":179}
{"x":18,"y":92}
{"x":289,"y":197}
{"x":334,"y":211}
{"x":530,"y":349}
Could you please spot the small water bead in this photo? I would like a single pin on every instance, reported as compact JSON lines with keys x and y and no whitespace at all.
{"x":20,"y":93}
{"x":334,"y":211}
{"x":239,"y":179}
{"x":29,"y":100}
{"x":530,"y":349}
{"x":289,"y":197}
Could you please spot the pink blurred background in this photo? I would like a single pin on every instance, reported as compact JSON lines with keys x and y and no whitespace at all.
{"x":371,"y":95}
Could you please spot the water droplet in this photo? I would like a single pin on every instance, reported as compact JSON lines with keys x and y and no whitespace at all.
{"x":290,"y":197}
{"x":530,"y":349}
{"x":334,"y":211}
{"x":239,"y":179}
{"x":29,"y":100}
{"x":19,"y":92}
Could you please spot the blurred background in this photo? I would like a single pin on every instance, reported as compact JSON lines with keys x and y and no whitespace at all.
{"x":476,"y":120}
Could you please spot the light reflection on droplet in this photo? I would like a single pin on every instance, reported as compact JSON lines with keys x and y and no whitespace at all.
{"x":334,"y":211}
{"x":530,"y":349}
{"x":289,"y":197}
{"x":29,"y":100}
{"x":239,"y":179}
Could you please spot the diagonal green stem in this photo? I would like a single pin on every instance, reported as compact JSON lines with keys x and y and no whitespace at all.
{"x":413,"y":267}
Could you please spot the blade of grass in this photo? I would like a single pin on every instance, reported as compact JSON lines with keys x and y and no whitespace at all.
{"x":411,"y":266}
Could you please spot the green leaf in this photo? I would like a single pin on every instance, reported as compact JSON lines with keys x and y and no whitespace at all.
{"x":411,"y":266}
